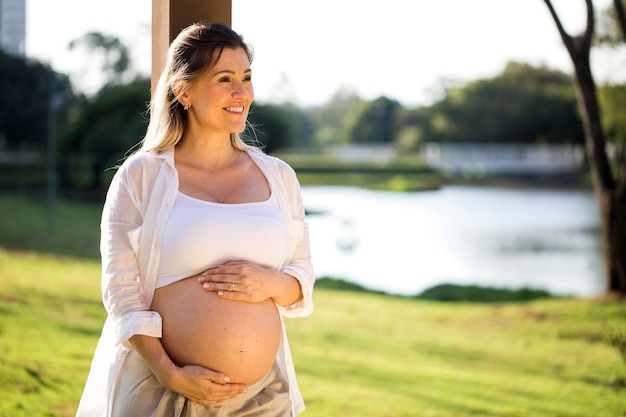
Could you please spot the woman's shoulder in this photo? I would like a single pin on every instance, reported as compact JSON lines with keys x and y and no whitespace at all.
{"x":144,"y":162}
{"x":280,"y":171}
{"x":282,"y":166}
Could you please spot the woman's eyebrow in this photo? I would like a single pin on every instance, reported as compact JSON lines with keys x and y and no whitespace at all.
{"x":230,"y":72}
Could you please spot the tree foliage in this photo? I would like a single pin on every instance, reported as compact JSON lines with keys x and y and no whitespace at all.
{"x":115,"y":56}
{"x":277,"y":127}
{"x":524,"y":104}
{"x":612,"y":99}
{"x":375,"y":122}
{"x":109,"y":125}
{"x":609,"y":31}
{"x":29,"y":89}
{"x":332,"y":122}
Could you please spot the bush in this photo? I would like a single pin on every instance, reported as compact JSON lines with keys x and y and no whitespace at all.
{"x":477,"y":294}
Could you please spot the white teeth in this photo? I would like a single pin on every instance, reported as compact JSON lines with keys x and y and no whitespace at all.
{"x":235,"y":109}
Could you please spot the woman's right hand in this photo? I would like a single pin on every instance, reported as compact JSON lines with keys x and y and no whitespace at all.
{"x":202,"y":385}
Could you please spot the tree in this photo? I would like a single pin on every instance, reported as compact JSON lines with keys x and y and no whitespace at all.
{"x":303,"y":126}
{"x":609,"y":30}
{"x":331,"y":121}
{"x":610,"y":189}
{"x":115,"y":56}
{"x":523,"y":104}
{"x":376,"y":122}
{"x":412,"y":130}
{"x":25,"y":90}
{"x":612,"y":100}
{"x":108,"y":126}
{"x":270,"y":127}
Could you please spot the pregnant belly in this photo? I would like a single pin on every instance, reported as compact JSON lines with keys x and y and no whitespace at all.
{"x":237,"y":338}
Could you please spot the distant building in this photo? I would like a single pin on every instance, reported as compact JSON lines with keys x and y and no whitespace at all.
{"x":378,"y":153}
{"x":505,"y":158}
{"x":13,"y":26}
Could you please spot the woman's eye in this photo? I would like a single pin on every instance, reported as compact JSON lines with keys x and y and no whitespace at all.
{"x":224,"y":79}
{"x":248,"y":78}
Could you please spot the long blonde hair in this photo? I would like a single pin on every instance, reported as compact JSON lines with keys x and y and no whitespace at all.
{"x":196,"y":49}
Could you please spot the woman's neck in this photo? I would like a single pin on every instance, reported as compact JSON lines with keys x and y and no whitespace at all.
{"x":206,"y":152}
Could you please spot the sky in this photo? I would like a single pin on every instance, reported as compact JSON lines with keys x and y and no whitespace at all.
{"x":305,"y":51}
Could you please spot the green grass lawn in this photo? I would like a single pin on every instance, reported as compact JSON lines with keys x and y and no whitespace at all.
{"x":24,"y":226}
{"x":359,"y":354}
{"x":50,"y":319}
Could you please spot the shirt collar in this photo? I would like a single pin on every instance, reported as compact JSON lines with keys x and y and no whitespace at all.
{"x":166,"y":154}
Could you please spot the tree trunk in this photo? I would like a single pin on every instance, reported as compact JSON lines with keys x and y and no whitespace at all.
{"x":611,"y":195}
{"x":613,"y":218}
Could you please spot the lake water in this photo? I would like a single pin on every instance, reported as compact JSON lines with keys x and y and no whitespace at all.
{"x":403,"y":243}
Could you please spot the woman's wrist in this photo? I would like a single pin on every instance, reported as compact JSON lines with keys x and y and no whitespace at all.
{"x":152,"y":352}
{"x":288,"y":290}
{"x":165,"y":373}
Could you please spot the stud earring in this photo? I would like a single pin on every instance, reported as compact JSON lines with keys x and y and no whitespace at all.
{"x":186,"y":106}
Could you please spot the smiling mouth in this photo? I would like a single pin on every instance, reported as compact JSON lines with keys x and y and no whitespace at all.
{"x":234,"y":109}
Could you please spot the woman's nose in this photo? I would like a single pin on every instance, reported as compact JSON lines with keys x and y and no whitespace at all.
{"x":241,"y":90}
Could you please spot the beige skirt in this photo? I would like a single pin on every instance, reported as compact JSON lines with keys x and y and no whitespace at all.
{"x":139,"y":394}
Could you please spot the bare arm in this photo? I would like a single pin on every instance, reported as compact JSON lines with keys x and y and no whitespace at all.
{"x":199,"y":384}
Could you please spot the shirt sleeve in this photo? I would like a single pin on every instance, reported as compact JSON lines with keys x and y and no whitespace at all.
{"x":300,"y":265}
{"x":121,"y":285}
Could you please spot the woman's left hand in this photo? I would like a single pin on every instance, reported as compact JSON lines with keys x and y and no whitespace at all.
{"x":243,"y":281}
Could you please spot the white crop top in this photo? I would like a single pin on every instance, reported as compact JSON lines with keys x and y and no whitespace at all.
{"x":201,"y":234}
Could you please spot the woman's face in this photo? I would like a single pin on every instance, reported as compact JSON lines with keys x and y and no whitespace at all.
{"x":220,"y":99}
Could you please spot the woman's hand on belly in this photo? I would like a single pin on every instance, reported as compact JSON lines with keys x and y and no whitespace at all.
{"x":202,"y":385}
{"x":199,"y":384}
{"x":249,"y":282}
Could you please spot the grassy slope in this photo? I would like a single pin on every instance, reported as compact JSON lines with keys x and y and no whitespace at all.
{"x":50,"y":318}
{"x":24,"y":226}
{"x":371,"y":355}
{"x":358,"y":355}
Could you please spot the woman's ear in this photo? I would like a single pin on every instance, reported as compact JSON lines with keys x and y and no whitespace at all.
{"x":181,"y":94}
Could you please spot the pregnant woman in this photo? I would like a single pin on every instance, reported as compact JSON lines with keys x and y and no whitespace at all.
{"x":204,"y":250}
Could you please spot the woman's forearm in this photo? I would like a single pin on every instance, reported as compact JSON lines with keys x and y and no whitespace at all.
{"x":200,"y":385}
{"x":154,"y":355}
